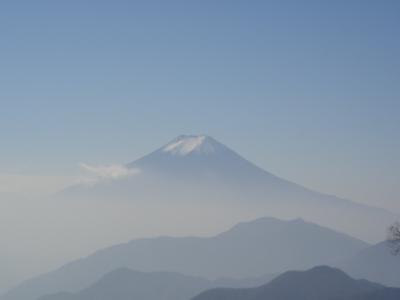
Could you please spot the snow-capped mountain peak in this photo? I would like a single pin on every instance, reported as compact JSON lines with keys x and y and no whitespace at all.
{"x":186,"y":144}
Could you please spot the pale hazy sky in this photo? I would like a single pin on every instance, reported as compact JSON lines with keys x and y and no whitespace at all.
{"x":308,"y":90}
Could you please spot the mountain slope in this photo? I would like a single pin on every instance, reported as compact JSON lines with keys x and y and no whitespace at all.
{"x":319,"y":283}
{"x":376,"y":263}
{"x":201,"y":157}
{"x":254,"y":248}
{"x":198,"y":171}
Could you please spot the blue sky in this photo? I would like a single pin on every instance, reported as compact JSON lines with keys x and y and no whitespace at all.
{"x":309,"y":90}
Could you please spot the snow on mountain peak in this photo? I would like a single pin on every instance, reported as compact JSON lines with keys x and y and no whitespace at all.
{"x":186,"y":144}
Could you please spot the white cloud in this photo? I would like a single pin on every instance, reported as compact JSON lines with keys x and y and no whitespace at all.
{"x":107,"y":172}
{"x":37,"y":185}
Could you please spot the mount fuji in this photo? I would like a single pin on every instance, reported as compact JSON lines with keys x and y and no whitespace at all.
{"x":199,"y":156}
{"x":197,"y":170}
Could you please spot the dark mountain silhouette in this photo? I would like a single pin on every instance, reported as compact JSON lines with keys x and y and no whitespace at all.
{"x":254,"y":248}
{"x":319,"y":283}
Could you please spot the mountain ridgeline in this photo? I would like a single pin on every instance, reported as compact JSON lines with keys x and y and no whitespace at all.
{"x":250,"y":249}
{"x":193,"y":171}
{"x":319,"y":283}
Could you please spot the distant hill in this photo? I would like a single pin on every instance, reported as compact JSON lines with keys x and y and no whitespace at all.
{"x":254,"y":248}
{"x":319,"y":283}
{"x":375,"y":263}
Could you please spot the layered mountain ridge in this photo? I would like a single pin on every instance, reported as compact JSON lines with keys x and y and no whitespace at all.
{"x":248,"y":249}
{"x":319,"y":283}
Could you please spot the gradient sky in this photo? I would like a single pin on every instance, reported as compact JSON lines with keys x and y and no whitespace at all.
{"x":308,"y":90}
